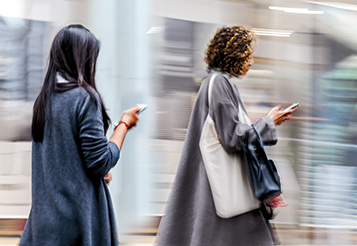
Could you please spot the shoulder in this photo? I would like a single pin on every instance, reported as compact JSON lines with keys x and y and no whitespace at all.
{"x":222,"y":86}
{"x":79,"y":100}
{"x":81,"y":95}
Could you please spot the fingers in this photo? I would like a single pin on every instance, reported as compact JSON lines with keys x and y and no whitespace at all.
{"x":133,"y":109}
{"x":280,"y":116}
{"x":289,"y":111}
{"x":292,"y":110}
{"x":130,"y":116}
{"x":137,"y":109}
{"x":275,"y":109}
{"x":273,"y":113}
{"x":285,"y":114}
{"x":108,"y":178}
{"x":283,"y":119}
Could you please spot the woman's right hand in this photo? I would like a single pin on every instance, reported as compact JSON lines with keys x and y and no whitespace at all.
{"x":280,"y":116}
{"x":130,"y":116}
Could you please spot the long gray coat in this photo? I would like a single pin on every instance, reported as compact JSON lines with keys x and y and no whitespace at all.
{"x":71,"y":204}
{"x":190,"y":218}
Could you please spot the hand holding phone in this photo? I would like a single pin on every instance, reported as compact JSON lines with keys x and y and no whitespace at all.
{"x":292,"y":106}
{"x":142,"y":107}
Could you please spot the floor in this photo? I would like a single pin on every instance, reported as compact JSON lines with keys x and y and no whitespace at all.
{"x":288,"y":237}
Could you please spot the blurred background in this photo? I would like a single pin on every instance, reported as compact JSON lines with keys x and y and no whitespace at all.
{"x":152,"y":52}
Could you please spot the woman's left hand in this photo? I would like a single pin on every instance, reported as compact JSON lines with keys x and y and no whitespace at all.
{"x":108,"y":178}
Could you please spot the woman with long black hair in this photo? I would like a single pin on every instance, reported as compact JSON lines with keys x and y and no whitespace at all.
{"x":71,"y":156}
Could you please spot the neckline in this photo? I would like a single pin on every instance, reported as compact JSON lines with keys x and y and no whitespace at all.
{"x":60,"y":79}
{"x":221,"y":73}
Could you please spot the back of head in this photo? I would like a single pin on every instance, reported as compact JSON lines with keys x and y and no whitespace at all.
{"x":230,"y":49}
{"x":73,"y":55}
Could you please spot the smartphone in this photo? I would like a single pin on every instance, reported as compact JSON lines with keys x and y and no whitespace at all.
{"x":142,"y":107}
{"x":294,"y":105}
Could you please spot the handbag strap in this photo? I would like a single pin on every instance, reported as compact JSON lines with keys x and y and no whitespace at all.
{"x":259,"y":138}
{"x":246,"y":139}
{"x":210,"y":85}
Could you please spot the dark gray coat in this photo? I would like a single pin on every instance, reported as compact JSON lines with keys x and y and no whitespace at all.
{"x":71,"y":204}
{"x":190,"y":218}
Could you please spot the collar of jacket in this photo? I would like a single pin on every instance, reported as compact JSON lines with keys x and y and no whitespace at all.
{"x":60,"y":79}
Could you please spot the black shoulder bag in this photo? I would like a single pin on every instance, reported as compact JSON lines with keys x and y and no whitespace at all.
{"x":263,"y":173}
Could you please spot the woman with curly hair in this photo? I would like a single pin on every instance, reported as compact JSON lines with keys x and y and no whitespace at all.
{"x":191,"y":218}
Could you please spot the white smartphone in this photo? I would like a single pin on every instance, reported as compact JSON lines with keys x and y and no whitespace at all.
{"x":142,"y":107}
{"x":294,"y":105}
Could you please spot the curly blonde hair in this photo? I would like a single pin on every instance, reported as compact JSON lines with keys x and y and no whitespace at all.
{"x":230,"y":50}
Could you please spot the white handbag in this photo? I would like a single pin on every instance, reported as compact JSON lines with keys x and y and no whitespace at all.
{"x":228,"y":174}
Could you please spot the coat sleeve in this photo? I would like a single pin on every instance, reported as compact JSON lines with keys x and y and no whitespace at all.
{"x":98,"y":155}
{"x":224,"y":112}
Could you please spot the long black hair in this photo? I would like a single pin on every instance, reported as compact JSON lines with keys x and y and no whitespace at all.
{"x":73,"y":56}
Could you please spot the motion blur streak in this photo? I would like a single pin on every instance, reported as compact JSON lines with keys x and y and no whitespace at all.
{"x":152,"y":52}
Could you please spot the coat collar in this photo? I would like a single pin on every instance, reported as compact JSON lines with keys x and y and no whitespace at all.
{"x":219,"y":72}
{"x":60,"y":79}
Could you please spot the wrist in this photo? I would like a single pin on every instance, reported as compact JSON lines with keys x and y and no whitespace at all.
{"x":121,"y":123}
